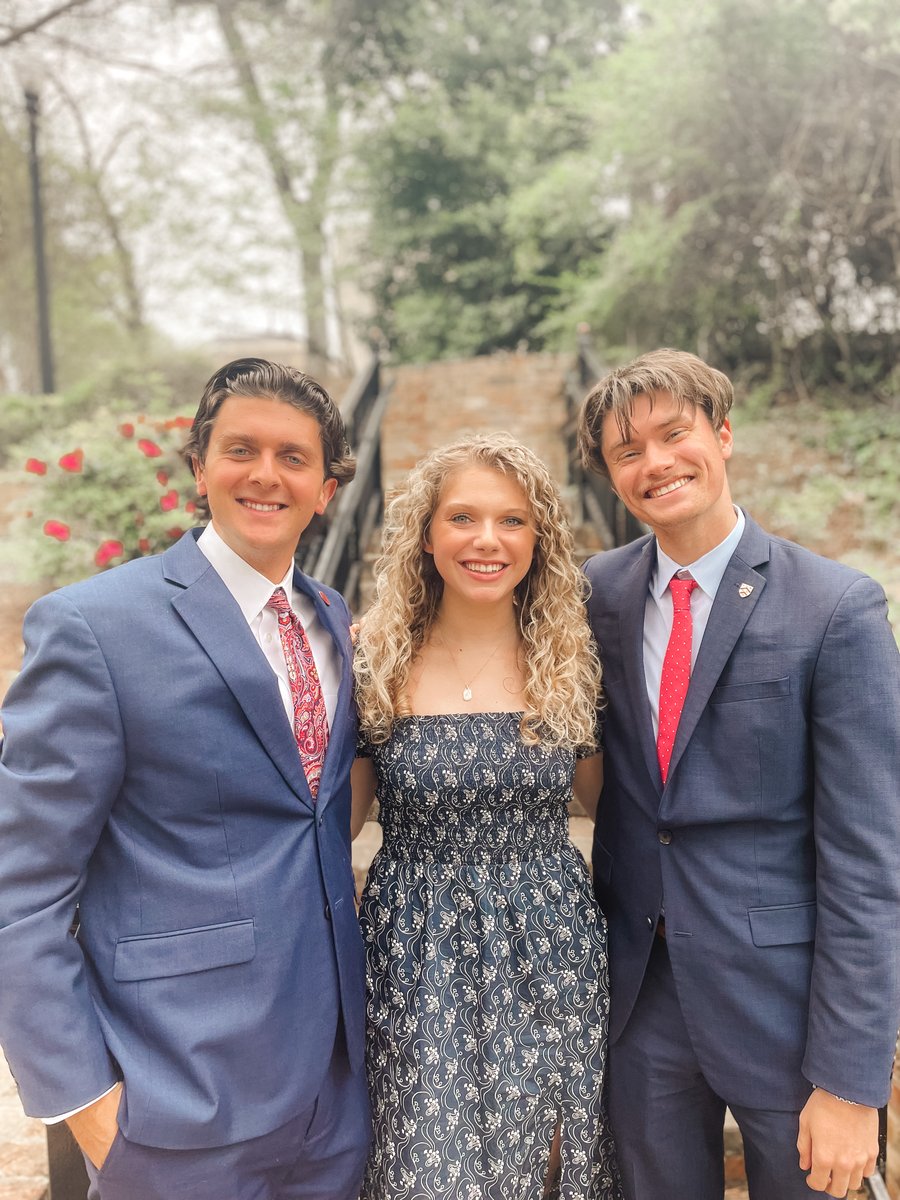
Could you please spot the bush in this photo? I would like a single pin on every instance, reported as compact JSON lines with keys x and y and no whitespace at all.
{"x":103,"y":491}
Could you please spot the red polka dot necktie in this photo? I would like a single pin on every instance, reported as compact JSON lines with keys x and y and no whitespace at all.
{"x":310,"y":717}
{"x":676,"y":671}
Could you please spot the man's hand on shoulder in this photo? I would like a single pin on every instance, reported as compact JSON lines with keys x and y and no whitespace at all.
{"x":838,"y":1143}
{"x":94,"y":1128}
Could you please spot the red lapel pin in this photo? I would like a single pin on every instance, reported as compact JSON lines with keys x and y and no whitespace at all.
{"x":325,"y":599}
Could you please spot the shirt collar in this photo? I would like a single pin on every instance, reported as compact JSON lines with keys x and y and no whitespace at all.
{"x":251,"y":590}
{"x":708,"y":570}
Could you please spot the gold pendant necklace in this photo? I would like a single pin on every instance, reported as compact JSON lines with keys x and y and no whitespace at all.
{"x":467,"y":687}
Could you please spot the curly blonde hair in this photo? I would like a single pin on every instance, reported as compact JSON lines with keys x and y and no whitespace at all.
{"x":562,"y":673}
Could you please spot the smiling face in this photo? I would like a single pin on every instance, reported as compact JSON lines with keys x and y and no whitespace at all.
{"x":670,"y":472}
{"x":264,"y":478}
{"x":481,"y":536}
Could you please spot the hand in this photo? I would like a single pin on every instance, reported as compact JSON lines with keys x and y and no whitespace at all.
{"x":838,"y":1143}
{"x":95,"y":1127}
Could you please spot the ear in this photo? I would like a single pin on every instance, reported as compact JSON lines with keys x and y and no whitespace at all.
{"x":427,"y":544}
{"x":197,"y":468}
{"x":329,"y":487}
{"x":726,"y":439}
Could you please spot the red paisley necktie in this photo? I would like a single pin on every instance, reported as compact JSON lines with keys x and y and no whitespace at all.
{"x":310,"y":717}
{"x":676,"y":671}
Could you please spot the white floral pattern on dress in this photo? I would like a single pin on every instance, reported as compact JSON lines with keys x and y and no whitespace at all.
{"x":486,"y":971}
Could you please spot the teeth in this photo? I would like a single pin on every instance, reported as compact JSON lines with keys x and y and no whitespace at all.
{"x":261,"y":507}
{"x":669,"y":487}
{"x":485,"y":568}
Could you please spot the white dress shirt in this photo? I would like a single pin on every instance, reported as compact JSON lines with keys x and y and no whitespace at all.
{"x":252,"y":592}
{"x":708,"y":572}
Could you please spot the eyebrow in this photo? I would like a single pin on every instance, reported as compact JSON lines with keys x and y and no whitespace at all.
{"x":469,"y":506}
{"x":623,"y":442}
{"x":230,"y":435}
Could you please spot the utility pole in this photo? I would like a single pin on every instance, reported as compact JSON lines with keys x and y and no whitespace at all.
{"x":40,"y":264}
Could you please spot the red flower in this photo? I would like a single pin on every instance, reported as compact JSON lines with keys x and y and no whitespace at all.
{"x":179,"y":423}
{"x":169,"y":500}
{"x":162,"y":478}
{"x":149,"y":448}
{"x":175,"y":532}
{"x":36,"y":466}
{"x":190,"y":507}
{"x":56,"y":529}
{"x":73,"y":461}
{"x":127,"y":430}
{"x":107,"y":550}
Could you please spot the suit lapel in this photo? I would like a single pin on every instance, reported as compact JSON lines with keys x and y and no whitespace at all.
{"x":208,"y":609}
{"x":730,"y":613}
{"x":631,"y":627}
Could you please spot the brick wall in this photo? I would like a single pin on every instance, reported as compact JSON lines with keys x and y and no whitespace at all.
{"x":435,"y":403}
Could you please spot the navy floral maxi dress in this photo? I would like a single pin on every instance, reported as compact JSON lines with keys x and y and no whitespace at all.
{"x":486,"y":971}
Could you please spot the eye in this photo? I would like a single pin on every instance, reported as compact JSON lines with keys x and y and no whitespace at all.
{"x":514,"y":521}
{"x":294,"y":459}
{"x":460,"y":518}
{"x":626,"y":455}
{"x":677,"y":433}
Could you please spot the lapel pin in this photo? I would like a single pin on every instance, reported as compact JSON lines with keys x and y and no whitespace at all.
{"x":327,"y":602}
{"x":744,"y":590}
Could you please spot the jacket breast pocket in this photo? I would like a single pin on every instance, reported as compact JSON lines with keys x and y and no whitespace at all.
{"x":762,"y":689}
{"x":183,"y":951}
{"x":783,"y":924}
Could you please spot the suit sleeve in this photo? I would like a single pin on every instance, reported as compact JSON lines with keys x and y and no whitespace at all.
{"x":855,"y":987}
{"x":61,"y":768}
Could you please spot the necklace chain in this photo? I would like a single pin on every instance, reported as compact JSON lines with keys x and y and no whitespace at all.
{"x":467,"y":687}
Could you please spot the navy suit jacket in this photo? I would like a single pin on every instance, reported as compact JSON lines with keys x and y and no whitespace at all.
{"x":150,"y":775}
{"x":775,"y":844}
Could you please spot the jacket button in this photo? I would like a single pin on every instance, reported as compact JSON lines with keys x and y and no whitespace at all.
{"x":650,"y":922}
{"x":327,"y":912}
{"x":321,"y":822}
{"x":665,"y":837}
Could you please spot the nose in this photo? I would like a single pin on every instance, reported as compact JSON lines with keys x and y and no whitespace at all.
{"x":485,"y":536}
{"x":658,"y":457}
{"x":264,"y":470}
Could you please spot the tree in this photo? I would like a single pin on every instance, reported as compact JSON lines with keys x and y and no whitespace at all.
{"x":752,"y":150}
{"x":463,"y":260}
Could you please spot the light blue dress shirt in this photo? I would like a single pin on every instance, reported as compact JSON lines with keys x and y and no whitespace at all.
{"x":708,"y":572}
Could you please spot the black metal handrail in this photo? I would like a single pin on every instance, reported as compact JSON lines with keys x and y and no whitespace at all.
{"x":336,"y":555}
{"x":600,"y":506}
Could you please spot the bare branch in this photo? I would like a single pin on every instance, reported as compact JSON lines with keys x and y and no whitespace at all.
{"x":15,"y":35}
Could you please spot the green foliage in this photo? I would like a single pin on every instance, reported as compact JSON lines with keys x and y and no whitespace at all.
{"x":472,"y":225}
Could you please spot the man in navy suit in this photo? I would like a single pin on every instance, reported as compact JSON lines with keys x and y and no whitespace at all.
{"x":202,"y":1029}
{"x":747,"y":859}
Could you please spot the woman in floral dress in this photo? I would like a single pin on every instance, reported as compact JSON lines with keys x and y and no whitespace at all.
{"x":487,"y":977}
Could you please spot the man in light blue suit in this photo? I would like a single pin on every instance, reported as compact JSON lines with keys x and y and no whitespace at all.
{"x":202,"y":1028}
{"x":749,"y":868}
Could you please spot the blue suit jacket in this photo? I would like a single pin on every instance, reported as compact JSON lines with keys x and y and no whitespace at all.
{"x":775,"y":844}
{"x":150,"y":774}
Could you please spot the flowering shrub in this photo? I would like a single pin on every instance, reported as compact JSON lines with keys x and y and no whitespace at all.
{"x":103,"y":491}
